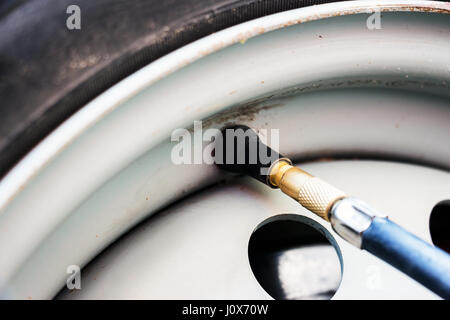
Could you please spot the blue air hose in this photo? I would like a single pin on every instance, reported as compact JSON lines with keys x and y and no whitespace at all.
{"x":423,"y":262}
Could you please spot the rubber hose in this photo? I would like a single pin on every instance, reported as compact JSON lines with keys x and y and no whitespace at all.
{"x":420,"y":260}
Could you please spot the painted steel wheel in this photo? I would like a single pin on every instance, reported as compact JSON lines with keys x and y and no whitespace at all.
{"x":85,"y":147}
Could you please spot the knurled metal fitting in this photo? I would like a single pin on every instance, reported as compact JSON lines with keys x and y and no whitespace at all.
{"x":311,"y":192}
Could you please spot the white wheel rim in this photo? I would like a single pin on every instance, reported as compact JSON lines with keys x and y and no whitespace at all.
{"x":35,"y":184}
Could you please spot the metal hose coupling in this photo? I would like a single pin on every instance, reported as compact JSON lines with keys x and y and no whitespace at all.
{"x":349,"y":217}
{"x":311,"y":192}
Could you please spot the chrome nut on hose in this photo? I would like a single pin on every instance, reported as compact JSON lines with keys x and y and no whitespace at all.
{"x":350,"y":217}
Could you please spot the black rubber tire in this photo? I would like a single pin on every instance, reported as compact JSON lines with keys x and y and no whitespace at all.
{"x":48,"y":72}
